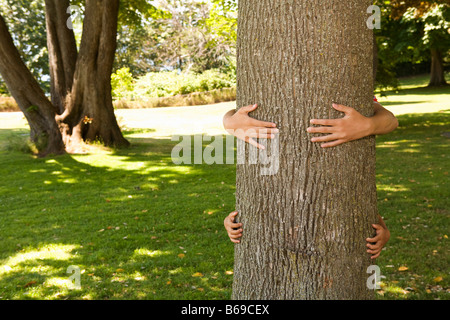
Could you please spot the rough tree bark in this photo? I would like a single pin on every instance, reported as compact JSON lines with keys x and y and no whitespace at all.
{"x":38,"y":110}
{"x":305,"y":227}
{"x":375,"y":58}
{"x":90,"y":97}
{"x":437,"y":77}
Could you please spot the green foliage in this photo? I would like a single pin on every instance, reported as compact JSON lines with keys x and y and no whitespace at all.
{"x":182,"y":35}
{"x":122,"y":83}
{"x":436,"y":28}
{"x":3,"y":88}
{"x":222,"y":21}
{"x":406,"y":38}
{"x":164,"y":84}
{"x":26,"y":22}
{"x":134,"y":12}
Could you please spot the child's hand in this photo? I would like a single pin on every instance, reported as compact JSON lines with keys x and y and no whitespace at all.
{"x":351,"y":127}
{"x":234,"y":229}
{"x":377,"y":243}
{"x":241,"y":125}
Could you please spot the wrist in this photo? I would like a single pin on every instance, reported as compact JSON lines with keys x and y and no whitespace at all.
{"x":228,"y":122}
{"x":370,"y":127}
{"x":227,"y":117}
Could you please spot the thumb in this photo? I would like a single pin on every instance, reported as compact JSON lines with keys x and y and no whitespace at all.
{"x":248,"y":109}
{"x":376,"y":227}
{"x":342,"y":108}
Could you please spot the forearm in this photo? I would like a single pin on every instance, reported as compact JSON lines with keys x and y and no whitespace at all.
{"x":382,"y":223}
{"x":383,"y":121}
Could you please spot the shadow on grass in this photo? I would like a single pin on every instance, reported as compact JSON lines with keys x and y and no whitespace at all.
{"x":412,"y":184}
{"x":397,"y":103}
{"x":138,"y":225}
{"x":426,"y":91}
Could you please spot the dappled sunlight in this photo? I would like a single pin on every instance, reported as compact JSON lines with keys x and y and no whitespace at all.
{"x":391,"y":288}
{"x":39,"y":271}
{"x":392,"y":188}
{"x":122,"y":277}
{"x":176,"y":271}
{"x":59,"y":282}
{"x":51,"y":251}
{"x":150,"y":253}
{"x":409,"y":150}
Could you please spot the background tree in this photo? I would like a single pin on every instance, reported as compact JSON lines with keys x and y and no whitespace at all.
{"x":80,"y":82}
{"x":414,"y":38}
{"x":38,"y":110}
{"x":305,"y":226}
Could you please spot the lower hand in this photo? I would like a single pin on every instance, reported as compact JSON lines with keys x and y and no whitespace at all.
{"x":234,"y":229}
{"x":377,"y":243}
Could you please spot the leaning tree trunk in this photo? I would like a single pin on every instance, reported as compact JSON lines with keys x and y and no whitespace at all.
{"x":305,"y":226}
{"x":437,"y":77}
{"x":62,"y":51}
{"x":38,"y":110}
{"x":89,"y":113}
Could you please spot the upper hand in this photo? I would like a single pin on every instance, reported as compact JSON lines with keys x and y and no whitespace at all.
{"x":241,"y":125}
{"x":352,"y":126}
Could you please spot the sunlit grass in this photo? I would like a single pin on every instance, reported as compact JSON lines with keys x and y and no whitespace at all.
{"x":140,"y":227}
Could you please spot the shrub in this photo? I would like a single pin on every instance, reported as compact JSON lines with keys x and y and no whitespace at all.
{"x":171,"y":83}
{"x":122,"y":84}
{"x":8,"y":104}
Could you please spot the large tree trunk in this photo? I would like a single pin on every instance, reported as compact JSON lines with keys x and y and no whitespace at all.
{"x":90,"y":112}
{"x":305,"y":226}
{"x":62,"y":51}
{"x":375,"y":58}
{"x":437,"y":77}
{"x":38,"y":110}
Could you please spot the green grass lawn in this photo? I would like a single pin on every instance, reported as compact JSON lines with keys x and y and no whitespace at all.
{"x":140,"y":227}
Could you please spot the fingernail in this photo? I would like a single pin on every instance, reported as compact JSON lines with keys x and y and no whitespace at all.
{"x":309,"y":129}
